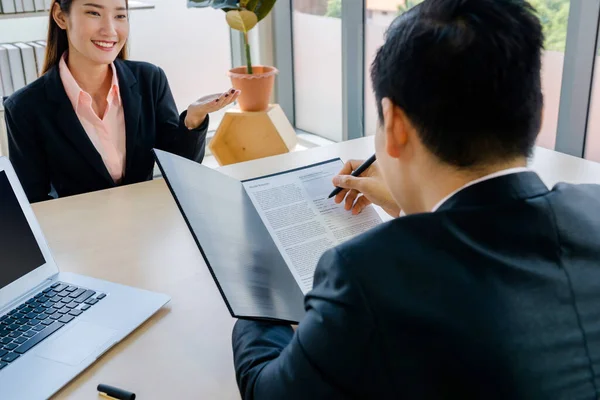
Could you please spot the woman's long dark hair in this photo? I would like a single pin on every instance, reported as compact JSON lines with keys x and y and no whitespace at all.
{"x":57,"y":42}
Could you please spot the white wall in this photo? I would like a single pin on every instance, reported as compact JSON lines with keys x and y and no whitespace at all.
{"x":191,"y":45}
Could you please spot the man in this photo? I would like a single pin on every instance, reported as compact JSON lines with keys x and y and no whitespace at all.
{"x":489,"y":287}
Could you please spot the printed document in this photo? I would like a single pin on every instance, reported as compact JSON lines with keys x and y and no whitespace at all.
{"x":300,"y":218}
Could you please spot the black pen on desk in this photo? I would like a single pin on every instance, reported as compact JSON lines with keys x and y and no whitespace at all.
{"x":111,"y":392}
{"x":362,"y":168}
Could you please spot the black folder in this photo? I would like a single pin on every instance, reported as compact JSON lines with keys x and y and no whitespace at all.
{"x":247,"y":267}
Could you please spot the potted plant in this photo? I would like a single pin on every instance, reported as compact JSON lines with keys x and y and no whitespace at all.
{"x":254,"y":81}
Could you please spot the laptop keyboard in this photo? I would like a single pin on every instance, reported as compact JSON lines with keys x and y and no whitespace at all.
{"x":30,"y":323}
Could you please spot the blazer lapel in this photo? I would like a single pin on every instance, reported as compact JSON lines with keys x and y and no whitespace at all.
{"x":71,"y":126}
{"x":132,"y":107}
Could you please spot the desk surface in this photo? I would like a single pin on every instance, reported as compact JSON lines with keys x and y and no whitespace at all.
{"x":135,"y":235}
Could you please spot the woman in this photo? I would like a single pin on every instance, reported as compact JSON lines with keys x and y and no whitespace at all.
{"x":91,"y":121}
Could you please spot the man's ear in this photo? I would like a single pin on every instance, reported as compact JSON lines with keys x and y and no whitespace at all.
{"x":59,"y":16}
{"x":395,"y":128}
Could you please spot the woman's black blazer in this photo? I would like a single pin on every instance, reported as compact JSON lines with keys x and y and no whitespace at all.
{"x":48,"y":146}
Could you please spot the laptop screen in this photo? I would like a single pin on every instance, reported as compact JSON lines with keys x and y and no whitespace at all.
{"x":19,"y":251}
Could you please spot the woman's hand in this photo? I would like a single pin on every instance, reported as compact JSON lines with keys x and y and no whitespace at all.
{"x":361,"y":191}
{"x":198,"y":110}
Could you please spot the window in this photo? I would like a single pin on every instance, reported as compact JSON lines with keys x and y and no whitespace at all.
{"x":317,"y":54}
{"x":554,"y":16}
{"x":592,"y":140}
{"x":379,"y":15}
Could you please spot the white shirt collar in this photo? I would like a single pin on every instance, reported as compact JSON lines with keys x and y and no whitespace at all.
{"x":473,"y":182}
{"x":479,"y":180}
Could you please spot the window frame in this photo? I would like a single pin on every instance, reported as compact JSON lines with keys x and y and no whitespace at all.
{"x":578,"y":74}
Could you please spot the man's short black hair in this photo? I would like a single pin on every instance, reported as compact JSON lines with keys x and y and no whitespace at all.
{"x":467,"y":75}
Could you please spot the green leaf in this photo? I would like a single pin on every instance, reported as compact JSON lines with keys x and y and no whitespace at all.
{"x":261,"y":8}
{"x":334,"y":9}
{"x":554,"y":16}
{"x":242,"y":21}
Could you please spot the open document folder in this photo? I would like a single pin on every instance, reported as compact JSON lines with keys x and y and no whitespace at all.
{"x":262,"y":238}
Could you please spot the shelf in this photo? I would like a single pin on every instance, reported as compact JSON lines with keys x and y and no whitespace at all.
{"x":133,"y":5}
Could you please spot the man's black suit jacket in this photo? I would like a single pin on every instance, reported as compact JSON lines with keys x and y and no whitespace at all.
{"x":494,"y":295}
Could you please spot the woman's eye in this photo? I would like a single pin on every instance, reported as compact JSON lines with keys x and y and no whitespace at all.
{"x":94,"y":13}
{"x":123,"y":16}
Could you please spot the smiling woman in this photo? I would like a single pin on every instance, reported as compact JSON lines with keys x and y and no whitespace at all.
{"x":91,"y":121}
{"x":81,"y":32}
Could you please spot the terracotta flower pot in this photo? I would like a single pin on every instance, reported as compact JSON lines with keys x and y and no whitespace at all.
{"x":256,"y":88}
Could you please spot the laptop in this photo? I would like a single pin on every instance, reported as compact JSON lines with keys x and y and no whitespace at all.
{"x":53,"y":324}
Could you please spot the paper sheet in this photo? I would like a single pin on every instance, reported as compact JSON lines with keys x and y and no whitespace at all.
{"x":300,"y":218}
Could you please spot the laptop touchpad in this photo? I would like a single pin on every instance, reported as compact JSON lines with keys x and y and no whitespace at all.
{"x":78,"y":343}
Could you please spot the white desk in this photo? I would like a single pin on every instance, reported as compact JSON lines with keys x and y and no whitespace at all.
{"x":135,"y":235}
{"x":552,"y":166}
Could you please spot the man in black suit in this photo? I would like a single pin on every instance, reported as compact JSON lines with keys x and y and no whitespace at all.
{"x":489,"y":287}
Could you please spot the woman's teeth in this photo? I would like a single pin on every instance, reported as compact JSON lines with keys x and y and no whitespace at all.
{"x":107,"y":45}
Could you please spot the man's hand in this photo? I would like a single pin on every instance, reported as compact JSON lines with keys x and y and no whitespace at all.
{"x":366,"y":189}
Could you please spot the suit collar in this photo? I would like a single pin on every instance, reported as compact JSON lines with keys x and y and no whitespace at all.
{"x":72,"y":128}
{"x":478,"y":180}
{"x":498,"y":190}
{"x":75,"y":92}
{"x":132,"y":109}
{"x":70,"y":125}
{"x":126,"y":76}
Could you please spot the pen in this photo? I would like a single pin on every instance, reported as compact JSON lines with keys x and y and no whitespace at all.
{"x":356,"y":172}
{"x":111,"y":392}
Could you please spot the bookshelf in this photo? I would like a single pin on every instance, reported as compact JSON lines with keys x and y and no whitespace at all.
{"x":133,"y":5}
{"x":3,"y":139}
{"x":23,"y":15}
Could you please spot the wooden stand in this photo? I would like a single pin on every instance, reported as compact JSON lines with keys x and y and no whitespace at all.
{"x":244,"y":136}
